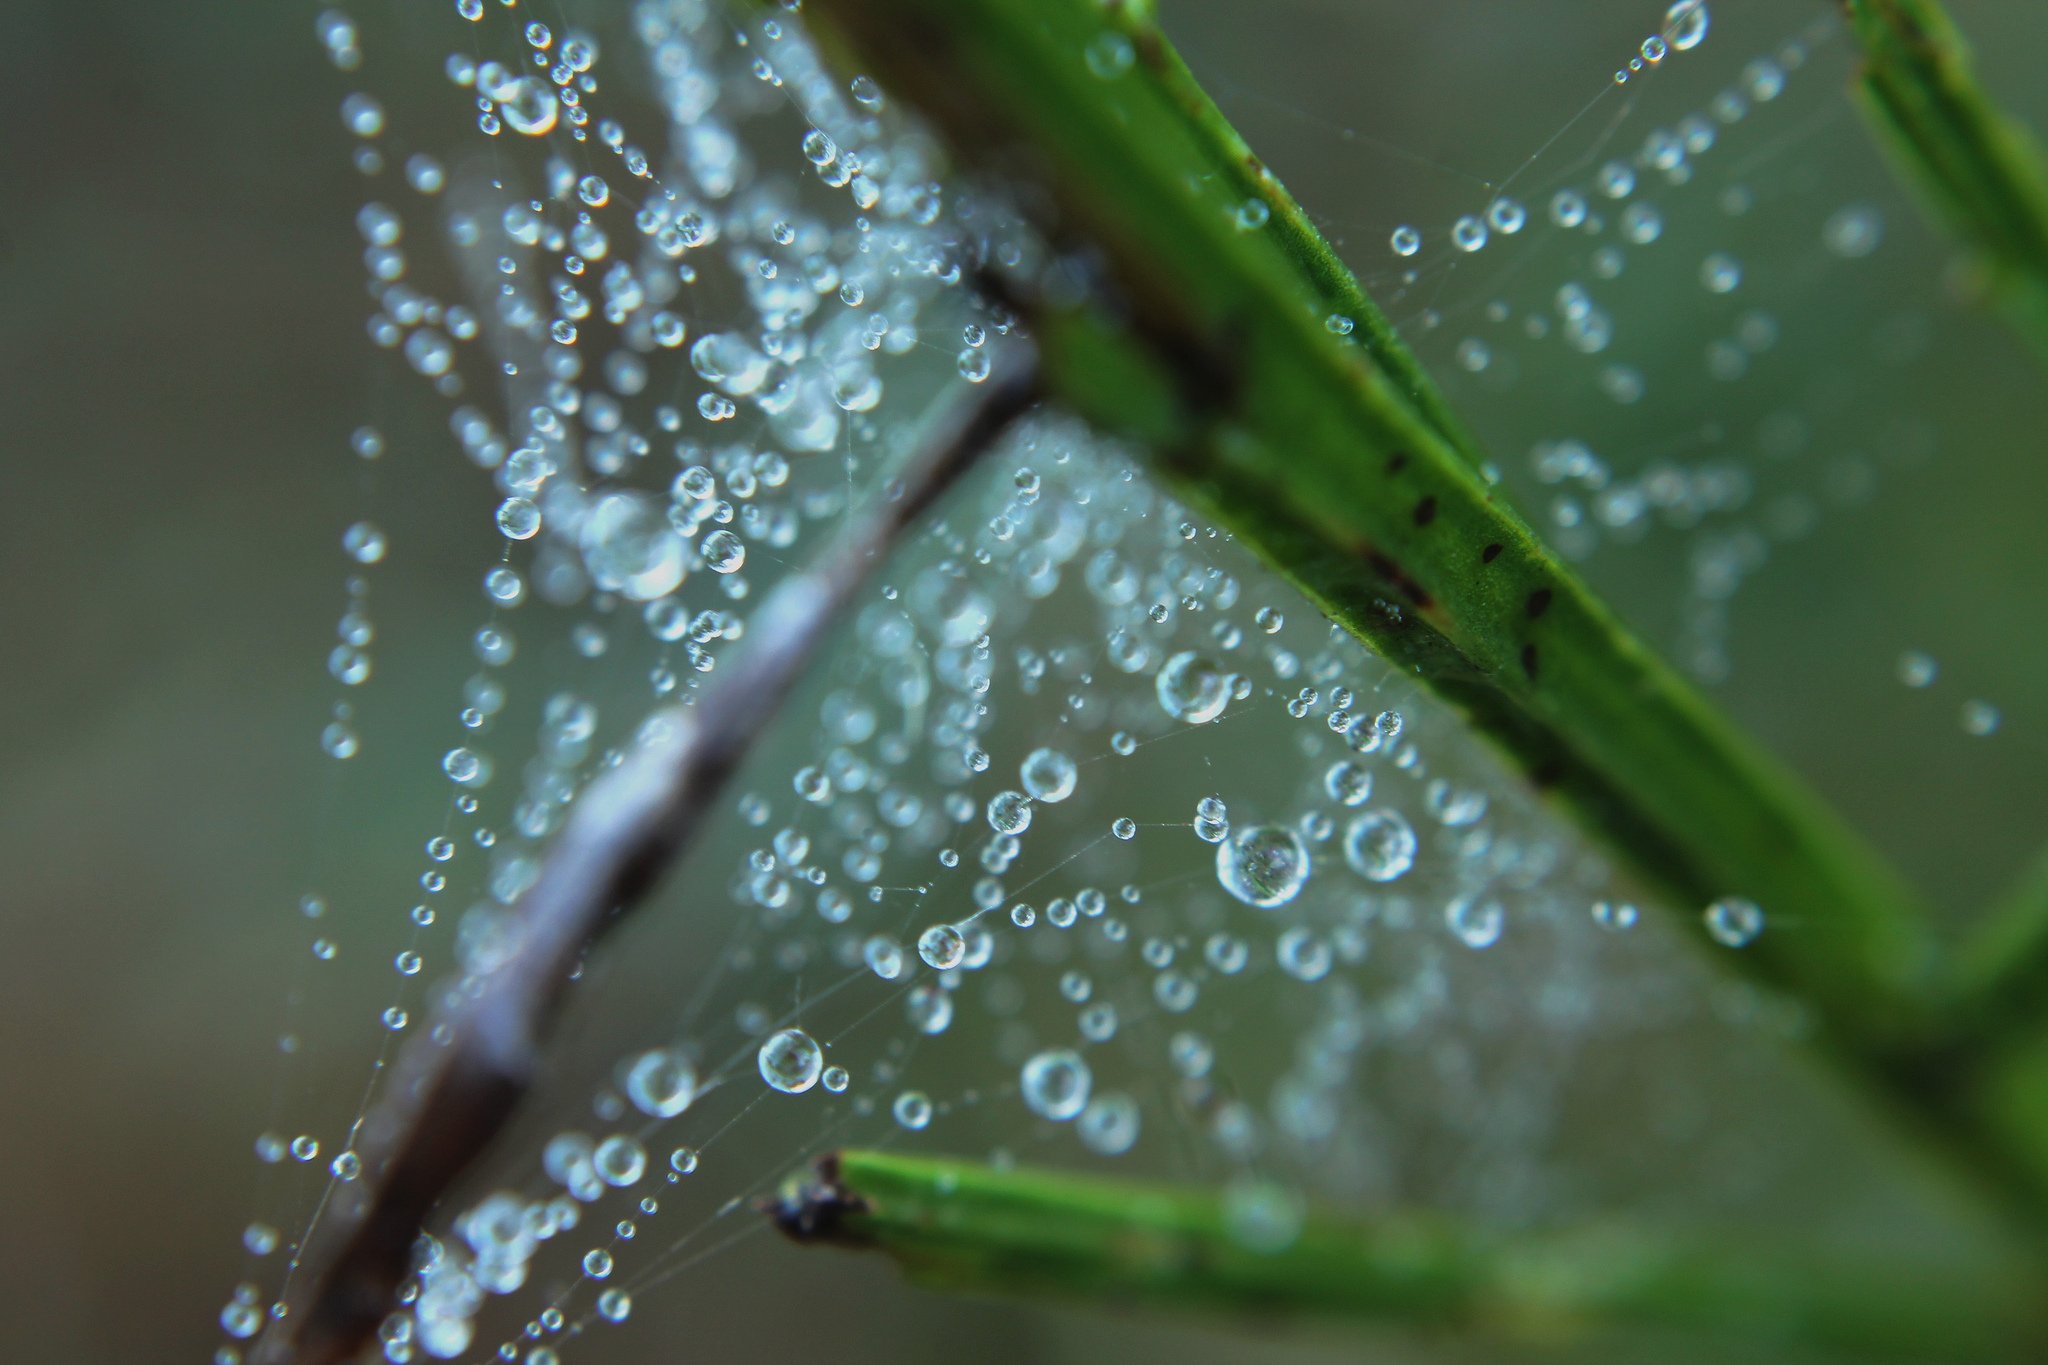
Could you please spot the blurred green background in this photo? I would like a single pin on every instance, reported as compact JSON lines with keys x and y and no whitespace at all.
{"x":181,"y":360}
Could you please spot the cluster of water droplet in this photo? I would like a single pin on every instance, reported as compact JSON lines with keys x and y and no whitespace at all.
{"x":1587,"y":310}
{"x":987,"y":886}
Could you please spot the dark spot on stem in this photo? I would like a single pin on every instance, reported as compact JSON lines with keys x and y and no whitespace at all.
{"x":1425,"y":511}
{"x":1539,"y":602}
{"x":1397,"y":462}
{"x":1398,"y":577}
{"x":1529,"y":661}
{"x":1490,"y":553}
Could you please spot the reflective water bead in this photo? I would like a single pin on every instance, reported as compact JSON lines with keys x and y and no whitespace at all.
{"x":1303,"y":954}
{"x":1734,"y":922}
{"x":1263,"y":865}
{"x":1055,"y":1084}
{"x":1477,"y":922}
{"x":790,"y":1061}
{"x":619,"y":1161}
{"x":661,"y":1083}
{"x":884,"y":957}
{"x":1685,"y":24}
{"x":466,"y":767}
{"x":518,"y":518}
{"x":1109,"y":1125}
{"x":1009,"y":812}
{"x":1854,"y":232}
{"x":913,"y":1109}
{"x":364,"y":543}
{"x":1468,"y":233}
{"x":930,"y":1008}
{"x":1048,"y":775}
{"x":1380,"y":845}
{"x":1348,"y":782}
{"x":1192,"y":688}
{"x":1406,"y":241}
{"x":1109,"y":55}
{"x":722,"y":552}
{"x":362,"y":115}
{"x":529,"y":106}
{"x":1980,"y":718}
{"x":941,"y":946}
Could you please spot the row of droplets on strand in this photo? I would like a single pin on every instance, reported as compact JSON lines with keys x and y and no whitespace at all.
{"x":1331,"y":873}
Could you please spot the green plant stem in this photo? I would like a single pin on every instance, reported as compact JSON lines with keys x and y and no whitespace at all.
{"x":1318,"y":263}
{"x":964,"y":1226}
{"x":1977,"y":169}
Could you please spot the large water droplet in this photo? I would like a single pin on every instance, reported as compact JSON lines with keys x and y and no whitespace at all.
{"x":790,"y":1061}
{"x":1380,"y":845}
{"x":1056,"y":1084}
{"x":1263,"y":865}
{"x":1192,"y":688}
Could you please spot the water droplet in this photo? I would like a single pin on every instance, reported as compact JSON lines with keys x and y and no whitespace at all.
{"x":1192,"y":688}
{"x":1477,"y":922}
{"x":518,"y":518}
{"x":661,"y":1083}
{"x":1734,"y":922}
{"x":1110,"y":55}
{"x":529,"y":106}
{"x":1055,"y":1084}
{"x":1568,"y":208}
{"x":941,"y":946}
{"x":466,"y":767}
{"x":790,"y":1061}
{"x":619,"y":1161}
{"x":1917,"y":669}
{"x":1348,"y":782}
{"x":1048,"y":775}
{"x":1854,"y":232}
{"x":913,"y":1109}
{"x":1009,"y":812}
{"x":930,"y":1008}
{"x":1406,"y":241}
{"x":1380,"y":845}
{"x":1685,"y":24}
{"x":722,"y":552}
{"x":1263,"y":865}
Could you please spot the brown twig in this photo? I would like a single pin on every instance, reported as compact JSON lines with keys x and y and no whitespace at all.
{"x":458,"y":1080}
